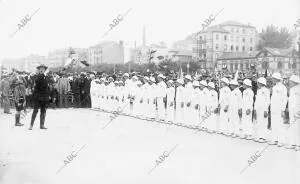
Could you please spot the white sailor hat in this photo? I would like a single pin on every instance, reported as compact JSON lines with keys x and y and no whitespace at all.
{"x":147,"y":78}
{"x":195,"y":83}
{"x":180,"y":81}
{"x":135,"y":77}
{"x":262,"y":80}
{"x":170,"y":81}
{"x":188,"y":77}
{"x":295,"y":79}
{"x":234,"y":82}
{"x":203,"y":82}
{"x":152,"y":79}
{"x":161,"y":76}
{"x":247,"y":82}
{"x":139,"y":82}
{"x":277,"y":75}
{"x":225,"y":80}
{"x":211,"y":84}
{"x":126,"y":75}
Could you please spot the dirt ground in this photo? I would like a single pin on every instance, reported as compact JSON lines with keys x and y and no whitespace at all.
{"x":128,"y":149}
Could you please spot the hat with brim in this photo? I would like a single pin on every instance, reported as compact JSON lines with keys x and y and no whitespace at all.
{"x":42,"y":66}
{"x":180,"y":81}
{"x":211,"y":85}
{"x":295,"y":78}
{"x":234,"y":82}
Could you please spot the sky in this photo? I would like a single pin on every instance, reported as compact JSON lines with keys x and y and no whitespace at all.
{"x":82,"y":23}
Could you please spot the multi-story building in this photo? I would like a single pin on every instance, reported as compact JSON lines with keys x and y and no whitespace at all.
{"x":271,"y":59}
{"x":227,"y":37}
{"x":106,"y":52}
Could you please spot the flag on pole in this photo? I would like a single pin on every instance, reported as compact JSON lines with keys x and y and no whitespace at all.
{"x":236,"y":75}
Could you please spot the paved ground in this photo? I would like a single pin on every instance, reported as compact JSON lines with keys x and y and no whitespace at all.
{"x":127,"y":149}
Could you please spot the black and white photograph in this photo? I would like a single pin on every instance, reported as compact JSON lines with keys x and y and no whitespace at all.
{"x":149,"y":92}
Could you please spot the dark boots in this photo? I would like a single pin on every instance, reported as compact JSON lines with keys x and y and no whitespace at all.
{"x":17,"y":122}
{"x":42,"y":120}
{"x":32,"y":120}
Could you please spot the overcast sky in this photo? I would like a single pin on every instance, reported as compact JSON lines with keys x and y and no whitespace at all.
{"x":82,"y":23}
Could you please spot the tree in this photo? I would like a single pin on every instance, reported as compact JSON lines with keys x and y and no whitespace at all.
{"x":275,"y":37}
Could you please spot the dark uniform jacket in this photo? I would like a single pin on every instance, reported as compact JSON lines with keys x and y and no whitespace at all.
{"x":41,"y":88}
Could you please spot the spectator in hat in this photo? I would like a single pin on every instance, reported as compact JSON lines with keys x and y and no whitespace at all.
{"x":19,"y":99}
{"x":4,"y":93}
{"x":63,"y":87}
{"x":235,"y":109}
{"x":224,"y":105}
{"x":40,"y":96}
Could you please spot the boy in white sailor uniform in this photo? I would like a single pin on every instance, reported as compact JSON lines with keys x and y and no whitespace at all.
{"x":278,"y":105}
{"x":212,"y":108}
{"x":170,"y":101}
{"x":261,"y":109}
{"x":180,"y":100}
{"x":224,"y":105}
{"x":247,"y":105}
{"x":235,"y":109}
{"x":293,"y":132}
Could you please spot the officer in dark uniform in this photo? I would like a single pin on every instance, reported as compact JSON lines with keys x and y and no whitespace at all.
{"x":40,"y":96}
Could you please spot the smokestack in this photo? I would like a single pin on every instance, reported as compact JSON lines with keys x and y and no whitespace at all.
{"x":144,"y":36}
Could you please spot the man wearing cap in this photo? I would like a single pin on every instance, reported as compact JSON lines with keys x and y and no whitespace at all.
{"x":110,"y":94}
{"x":170,"y":101}
{"x":293,"y":132}
{"x":278,"y":106}
{"x":63,"y":87}
{"x":224,"y":105}
{"x":261,"y":108}
{"x":247,"y":105}
{"x":161,"y":96}
{"x":235,"y":109}
{"x":40,"y":96}
{"x":19,"y":99}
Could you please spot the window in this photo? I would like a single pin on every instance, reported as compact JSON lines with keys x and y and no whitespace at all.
{"x":225,"y":37}
{"x":237,"y":48}
{"x":243,"y":48}
{"x":237,"y":30}
{"x":236,"y":66}
{"x":231,"y":47}
{"x":244,"y":31}
{"x":251,"y":49}
{"x":217,"y":46}
{"x":225,"y":48}
{"x":231,"y":66}
{"x":247,"y":65}
{"x":242,"y":66}
{"x":217,"y":37}
{"x":200,"y":38}
{"x":279,"y":65}
{"x":243,"y":40}
{"x":217,"y":55}
{"x":294,"y":65}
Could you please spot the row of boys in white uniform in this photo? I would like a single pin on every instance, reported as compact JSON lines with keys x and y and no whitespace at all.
{"x":198,"y":105}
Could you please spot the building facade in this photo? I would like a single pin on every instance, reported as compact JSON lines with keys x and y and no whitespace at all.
{"x":106,"y":52}
{"x":227,"y":37}
{"x":271,"y":59}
